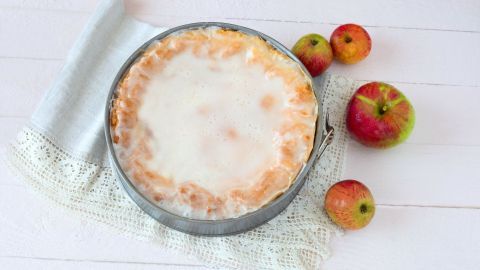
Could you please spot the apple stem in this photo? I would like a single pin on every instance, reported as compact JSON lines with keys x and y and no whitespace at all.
{"x":383,"y":109}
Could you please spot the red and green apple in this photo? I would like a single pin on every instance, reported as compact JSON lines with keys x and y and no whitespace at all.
{"x":379,"y":115}
{"x":350,"y":43}
{"x":350,"y":204}
{"x":314,"y":52}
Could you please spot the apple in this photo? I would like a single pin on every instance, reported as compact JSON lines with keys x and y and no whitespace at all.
{"x":315,"y":53}
{"x":350,"y":204}
{"x":350,"y":43}
{"x":379,"y":115}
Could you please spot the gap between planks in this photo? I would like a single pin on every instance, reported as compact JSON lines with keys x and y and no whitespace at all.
{"x":378,"y":205}
{"x":245,"y":19}
{"x":26,"y":118}
{"x":404,"y":66}
{"x":47,"y":59}
{"x":101,"y":261}
{"x":387,"y":205}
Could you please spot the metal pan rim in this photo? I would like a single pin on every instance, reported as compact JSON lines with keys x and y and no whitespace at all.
{"x":211,"y":227}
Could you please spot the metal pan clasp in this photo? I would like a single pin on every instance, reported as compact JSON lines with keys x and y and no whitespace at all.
{"x":327,"y":137}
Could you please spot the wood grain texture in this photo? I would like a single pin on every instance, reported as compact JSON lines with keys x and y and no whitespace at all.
{"x":62,"y":264}
{"x":411,"y":238}
{"x":436,"y":55}
{"x":462,"y":15}
{"x":54,"y":35}
{"x":36,"y":229}
{"x":413,"y":174}
{"x":391,"y":50}
{"x":417,"y":238}
{"x":428,"y":49}
{"x":24,"y":81}
{"x":445,"y":115}
{"x":84,"y":6}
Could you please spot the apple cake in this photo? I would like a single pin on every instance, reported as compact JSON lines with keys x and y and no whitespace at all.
{"x":213,"y":123}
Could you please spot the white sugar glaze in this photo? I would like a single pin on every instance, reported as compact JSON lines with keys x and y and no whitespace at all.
{"x":222,"y":136}
{"x":208,"y":123}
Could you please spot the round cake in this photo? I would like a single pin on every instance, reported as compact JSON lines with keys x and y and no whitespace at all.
{"x":212,"y":123}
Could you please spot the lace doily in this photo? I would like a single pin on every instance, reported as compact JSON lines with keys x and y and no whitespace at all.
{"x":297,"y":238}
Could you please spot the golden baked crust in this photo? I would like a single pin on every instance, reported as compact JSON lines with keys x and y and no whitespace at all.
{"x":294,"y":134}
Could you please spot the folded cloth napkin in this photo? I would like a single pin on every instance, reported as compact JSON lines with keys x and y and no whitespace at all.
{"x":62,"y":154}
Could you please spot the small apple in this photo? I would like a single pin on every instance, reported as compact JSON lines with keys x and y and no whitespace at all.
{"x":350,"y":204}
{"x":379,"y":115}
{"x":315,"y":53}
{"x":350,"y":43}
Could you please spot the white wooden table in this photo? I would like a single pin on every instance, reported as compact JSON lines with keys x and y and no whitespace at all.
{"x":427,"y":190}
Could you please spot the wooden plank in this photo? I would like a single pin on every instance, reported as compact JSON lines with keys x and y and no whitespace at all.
{"x":33,"y":228}
{"x":411,"y":238}
{"x":61,"y":264}
{"x":460,"y":15}
{"x":414,"y":174}
{"x":39,"y":34}
{"x":24,"y":82}
{"x":418,"y":238}
{"x":64,"y":6}
{"x":398,"y":54}
{"x":10,"y":128}
{"x":445,"y":115}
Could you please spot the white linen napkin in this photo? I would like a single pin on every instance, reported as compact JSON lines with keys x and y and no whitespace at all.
{"x":62,"y":154}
